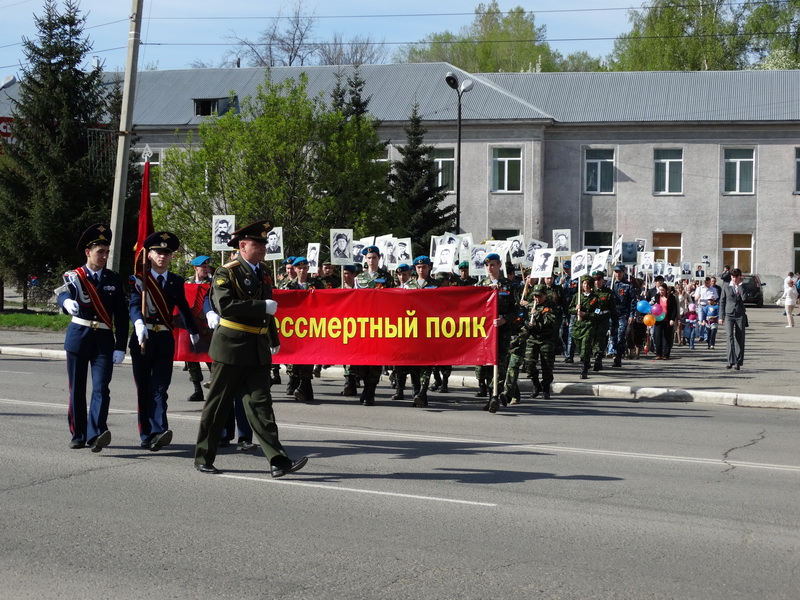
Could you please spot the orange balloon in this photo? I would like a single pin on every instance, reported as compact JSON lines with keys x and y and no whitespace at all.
{"x":649,"y":320}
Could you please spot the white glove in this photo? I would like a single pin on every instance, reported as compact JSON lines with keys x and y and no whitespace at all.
{"x":118,"y":356}
{"x":272,"y":307}
{"x":195,"y":337}
{"x":212,"y":319}
{"x":141,"y":331}
{"x":71,"y":306}
{"x":275,"y":349}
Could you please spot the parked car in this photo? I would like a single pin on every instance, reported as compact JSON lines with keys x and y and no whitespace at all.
{"x":753,"y":290}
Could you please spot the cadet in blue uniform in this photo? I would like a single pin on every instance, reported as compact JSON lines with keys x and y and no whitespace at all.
{"x":96,"y":336}
{"x":152,"y":345}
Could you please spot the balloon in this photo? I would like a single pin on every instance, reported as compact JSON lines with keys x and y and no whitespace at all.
{"x":649,"y":320}
{"x":643,"y":306}
{"x":656,"y":310}
{"x":661,"y":317}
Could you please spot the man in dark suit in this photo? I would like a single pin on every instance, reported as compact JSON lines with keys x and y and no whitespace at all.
{"x":96,"y":336}
{"x":734,"y":317}
{"x":152,"y":344}
{"x":242,"y":349}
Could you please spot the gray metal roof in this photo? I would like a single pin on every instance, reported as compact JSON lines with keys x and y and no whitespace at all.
{"x":165,"y":98}
{"x":659,"y":96}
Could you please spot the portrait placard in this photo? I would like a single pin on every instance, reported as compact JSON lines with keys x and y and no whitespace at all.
{"x":274,"y":244}
{"x":222,"y":226}
{"x":341,"y":246}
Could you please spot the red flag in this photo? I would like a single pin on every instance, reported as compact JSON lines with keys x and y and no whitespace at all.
{"x":145,"y":217}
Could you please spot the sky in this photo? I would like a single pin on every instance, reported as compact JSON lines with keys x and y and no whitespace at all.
{"x":177,"y":32}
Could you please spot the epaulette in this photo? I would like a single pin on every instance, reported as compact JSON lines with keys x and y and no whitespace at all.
{"x":231,"y":264}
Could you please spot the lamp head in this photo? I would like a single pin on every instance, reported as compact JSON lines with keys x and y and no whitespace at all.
{"x":451,"y":80}
{"x":466,"y":86}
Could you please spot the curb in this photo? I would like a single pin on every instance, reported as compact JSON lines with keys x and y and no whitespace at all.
{"x":617,"y":392}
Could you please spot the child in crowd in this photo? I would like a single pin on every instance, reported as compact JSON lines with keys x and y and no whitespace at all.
{"x":689,"y":329}
{"x":635,"y":336}
{"x":712,"y":317}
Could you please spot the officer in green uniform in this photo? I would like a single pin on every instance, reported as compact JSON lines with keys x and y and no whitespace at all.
{"x":583,"y":306}
{"x":535,"y":343}
{"x":300,"y":376}
{"x":604,"y":315}
{"x":241,"y":348}
{"x":372,"y":277}
{"x":421,"y":375}
{"x":508,"y":322}
{"x":202,"y":274}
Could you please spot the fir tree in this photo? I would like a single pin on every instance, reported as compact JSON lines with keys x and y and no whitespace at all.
{"x":52,"y":182}
{"x":414,"y":188}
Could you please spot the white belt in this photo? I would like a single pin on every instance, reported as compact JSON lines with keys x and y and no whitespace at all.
{"x":157,"y":327}
{"x":92,"y":324}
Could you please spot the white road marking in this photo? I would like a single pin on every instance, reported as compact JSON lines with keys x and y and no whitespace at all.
{"x":549,"y":447}
{"x":360,"y":491}
{"x":18,"y":372}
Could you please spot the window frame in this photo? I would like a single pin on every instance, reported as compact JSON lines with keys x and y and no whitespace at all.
{"x":738,"y":162}
{"x":506,"y":161}
{"x":666,"y":163}
{"x":730,"y":254}
{"x":598,"y":163}
{"x":439,"y":162}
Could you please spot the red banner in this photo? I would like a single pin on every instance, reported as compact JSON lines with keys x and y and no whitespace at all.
{"x":447,"y":326}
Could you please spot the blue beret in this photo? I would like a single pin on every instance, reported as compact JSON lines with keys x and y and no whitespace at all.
{"x":567,"y":264}
{"x":288,"y":260}
{"x":422,"y":260}
{"x":300,"y":260}
{"x":200,"y":260}
{"x":491,"y":256}
{"x":350,"y":268}
{"x":403,"y":267}
{"x":371,"y":249}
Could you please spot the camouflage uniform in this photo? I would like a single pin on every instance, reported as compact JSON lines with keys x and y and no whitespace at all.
{"x":370,"y":374}
{"x":605,"y":313}
{"x":300,"y":376}
{"x":583,"y":328}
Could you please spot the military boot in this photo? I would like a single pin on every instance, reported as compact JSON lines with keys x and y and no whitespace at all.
{"x":304,"y":391}
{"x":483,"y":389}
{"x":585,"y":371}
{"x":400,"y":380}
{"x":349,"y":386}
{"x":437,"y":381}
{"x":617,"y":360}
{"x":368,"y":393}
{"x":421,"y":397}
{"x":275,"y":379}
{"x":294,"y":383}
{"x":197,"y":395}
{"x":537,"y":388}
{"x":444,"y":389}
{"x":598,"y":363}
{"x":546,"y":391}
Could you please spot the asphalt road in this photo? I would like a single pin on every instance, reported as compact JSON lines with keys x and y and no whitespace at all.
{"x":571,"y":498}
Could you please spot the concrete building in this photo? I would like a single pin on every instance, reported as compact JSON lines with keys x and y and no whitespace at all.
{"x":704,"y":166}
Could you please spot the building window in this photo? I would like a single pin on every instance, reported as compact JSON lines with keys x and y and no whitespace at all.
{"x":739,"y":171}
{"x":667,"y":247}
{"x":796,"y":253}
{"x":598,"y":241}
{"x":737,"y":251}
{"x":384,"y":157}
{"x":668,"y":171}
{"x":205,"y":107}
{"x":445,"y":163}
{"x":504,"y":234}
{"x":506,"y":169}
{"x":599,"y":171}
{"x":797,"y":171}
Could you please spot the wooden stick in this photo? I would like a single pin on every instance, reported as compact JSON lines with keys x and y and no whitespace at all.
{"x":144,"y":294}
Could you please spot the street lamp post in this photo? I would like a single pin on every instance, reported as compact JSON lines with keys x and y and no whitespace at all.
{"x":460,"y":89}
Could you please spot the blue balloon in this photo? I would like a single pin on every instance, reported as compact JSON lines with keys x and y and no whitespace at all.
{"x":643,"y":306}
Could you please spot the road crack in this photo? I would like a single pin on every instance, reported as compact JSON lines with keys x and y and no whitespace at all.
{"x":761,"y":435}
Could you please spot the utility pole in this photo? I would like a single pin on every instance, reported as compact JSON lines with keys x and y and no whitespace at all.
{"x":124,"y":139}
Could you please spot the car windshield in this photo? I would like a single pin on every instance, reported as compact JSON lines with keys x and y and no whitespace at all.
{"x":748,"y":280}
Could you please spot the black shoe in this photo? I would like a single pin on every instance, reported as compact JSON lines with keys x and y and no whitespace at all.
{"x":421,"y":400}
{"x":494,"y":404}
{"x":537,"y":389}
{"x":101,"y":441}
{"x":503,"y":399}
{"x":77,"y":445}
{"x":444,"y":389}
{"x":436,"y":386}
{"x":160,"y":440}
{"x":399,"y":395}
{"x":546,"y":395}
{"x":617,"y":361}
{"x":197,"y":396}
{"x":282,"y":468}
{"x":317,"y":372}
{"x":245,"y":446}
{"x":224,"y":443}
{"x":729,"y":366}
{"x":584,"y":375}
{"x":368,"y":401}
{"x":569,"y":360}
{"x":482,"y":392}
{"x":736,"y":367}
{"x":207,"y":469}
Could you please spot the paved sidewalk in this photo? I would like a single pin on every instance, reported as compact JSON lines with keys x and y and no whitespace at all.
{"x":770,"y":375}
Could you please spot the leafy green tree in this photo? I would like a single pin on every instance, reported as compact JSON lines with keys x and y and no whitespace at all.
{"x":414,"y":188}
{"x":773,"y":30}
{"x":493,"y":42}
{"x":53,"y":181}
{"x":673,"y":35}
{"x":283,"y":157}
